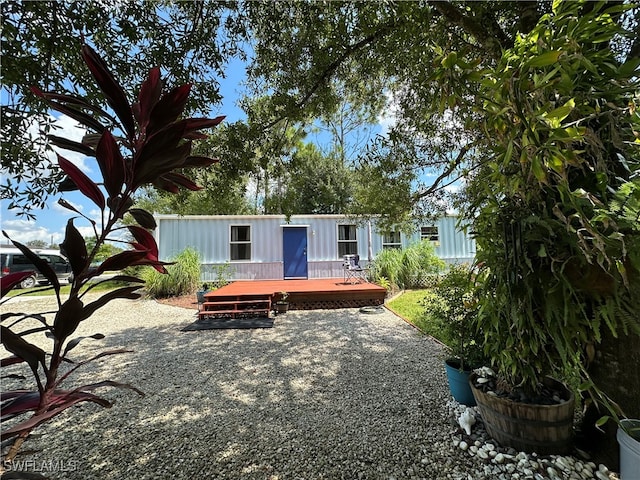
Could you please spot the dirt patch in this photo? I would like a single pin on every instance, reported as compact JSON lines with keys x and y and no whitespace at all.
{"x":184,"y":301}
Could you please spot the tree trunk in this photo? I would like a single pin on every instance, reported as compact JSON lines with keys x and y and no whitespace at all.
{"x":616,"y":370}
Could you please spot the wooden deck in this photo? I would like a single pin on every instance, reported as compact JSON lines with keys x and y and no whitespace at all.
{"x":321,"y":293}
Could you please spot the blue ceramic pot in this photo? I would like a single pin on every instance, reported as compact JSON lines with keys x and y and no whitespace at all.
{"x":459,"y":383}
{"x":200,"y":295}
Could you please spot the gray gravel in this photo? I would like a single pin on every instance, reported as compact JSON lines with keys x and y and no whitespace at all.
{"x":332,"y":394}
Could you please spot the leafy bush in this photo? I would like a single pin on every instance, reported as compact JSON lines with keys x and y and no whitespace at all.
{"x":222,"y":275}
{"x":384,"y":283}
{"x":183,"y":276}
{"x":386,"y":265}
{"x":451,"y":306}
{"x":419,"y":264}
{"x":411,"y":267}
{"x":152,"y":142}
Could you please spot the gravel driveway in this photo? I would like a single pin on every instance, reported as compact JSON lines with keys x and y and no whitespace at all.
{"x":323,"y":395}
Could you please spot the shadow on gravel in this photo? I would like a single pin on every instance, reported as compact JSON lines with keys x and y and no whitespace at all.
{"x":324,"y":394}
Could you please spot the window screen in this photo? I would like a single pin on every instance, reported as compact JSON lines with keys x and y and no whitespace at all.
{"x":240,"y":244}
{"x":391,"y":240}
{"x":430,"y":233}
{"x":347,"y":241}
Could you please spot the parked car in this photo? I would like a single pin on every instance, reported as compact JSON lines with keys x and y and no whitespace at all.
{"x":13,"y":260}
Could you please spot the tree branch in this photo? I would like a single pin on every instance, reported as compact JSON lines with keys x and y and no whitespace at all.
{"x":330,"y":69}
{"x":529,"y":15}
{"x":484,"y":28}
{"x":453,"y":165}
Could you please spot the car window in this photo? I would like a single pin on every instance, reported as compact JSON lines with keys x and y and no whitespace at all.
{"x":21,"y":260}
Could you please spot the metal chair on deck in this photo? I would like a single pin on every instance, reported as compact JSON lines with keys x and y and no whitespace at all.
{"x":353,"y":272}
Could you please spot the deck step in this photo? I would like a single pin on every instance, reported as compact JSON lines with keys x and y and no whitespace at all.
{"x":253,"y":312}
{"x":236,"y":302}
{"x":236,"y":306}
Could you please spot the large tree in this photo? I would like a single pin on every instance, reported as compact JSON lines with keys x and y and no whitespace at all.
{"x":309,"y":57}
{"x":316,"y":183}
{"x":225,"y":185}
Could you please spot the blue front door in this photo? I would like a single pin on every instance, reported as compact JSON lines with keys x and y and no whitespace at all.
{"x":294,"y":246}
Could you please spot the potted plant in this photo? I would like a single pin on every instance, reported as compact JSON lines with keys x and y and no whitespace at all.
{"x":554,"y":207}
{"x":451,"y":306}
{"x":629,"y":440}
{"x":201,"y":293}
{"x":282,"y":306}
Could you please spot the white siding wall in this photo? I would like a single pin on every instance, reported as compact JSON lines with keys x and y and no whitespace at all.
{"x":210,"y":235}
{"x":455,"y":246}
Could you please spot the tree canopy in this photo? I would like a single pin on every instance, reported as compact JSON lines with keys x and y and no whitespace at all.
{"x":305,"y":60}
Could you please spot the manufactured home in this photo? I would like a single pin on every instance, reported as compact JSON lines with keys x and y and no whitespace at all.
{"x":270,"y":247}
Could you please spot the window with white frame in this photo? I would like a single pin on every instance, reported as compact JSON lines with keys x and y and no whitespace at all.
{"x":347,"y":240}
{"x":240,"y":243}
{"x":430,"y":233}
{"x":391,"y":240}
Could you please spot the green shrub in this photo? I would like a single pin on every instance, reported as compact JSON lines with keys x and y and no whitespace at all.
{"x":183,"y":277}
{"x":384,"y":283}
{"x":412,"y":267}
{"x":419,"y":264}
{"x":222,"y":274}
{"x":386,"y":265}
{"x":451,"y":307}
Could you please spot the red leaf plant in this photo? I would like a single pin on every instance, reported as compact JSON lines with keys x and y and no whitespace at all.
{"x":146,"y":142}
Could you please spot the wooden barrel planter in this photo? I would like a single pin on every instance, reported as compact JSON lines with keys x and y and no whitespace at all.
{"x":544,"y":429}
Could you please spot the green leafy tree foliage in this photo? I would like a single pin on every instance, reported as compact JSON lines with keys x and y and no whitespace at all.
{"x":40,"y":43}
{"x":351,"y":122}
{"x":36,"y":244}
{"x":554,"y":201}
{"x":103,"y":250}
{"x":558,"y":195}
{"x":271,"y":147}
{"x":332,"y":47}
{"x":316,"y":183}
{"x":310,"y":58}
{"x":385,"y":183}
{"x":226,"y":185}
{"x":450,"y":309}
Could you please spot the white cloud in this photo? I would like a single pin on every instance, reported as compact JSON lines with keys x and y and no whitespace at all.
{"x":391,"y":114}
{"x":24,"y":231}
{"x":69,"y":129}
{"x":65,"y":127}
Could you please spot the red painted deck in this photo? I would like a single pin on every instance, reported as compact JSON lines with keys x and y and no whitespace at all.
{"x":310,"y":294}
